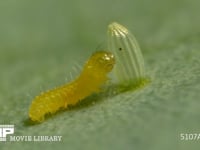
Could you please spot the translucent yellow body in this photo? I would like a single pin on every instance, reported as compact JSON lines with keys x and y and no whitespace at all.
{"x":94,"y":74}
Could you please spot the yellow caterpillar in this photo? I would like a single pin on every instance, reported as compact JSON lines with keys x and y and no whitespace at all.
{"x":94,"y":74}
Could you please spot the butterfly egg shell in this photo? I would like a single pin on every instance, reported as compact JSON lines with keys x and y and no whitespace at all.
{"x":129,"y":68}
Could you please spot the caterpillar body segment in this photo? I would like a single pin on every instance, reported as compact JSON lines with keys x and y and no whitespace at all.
{"x":94,"y":74}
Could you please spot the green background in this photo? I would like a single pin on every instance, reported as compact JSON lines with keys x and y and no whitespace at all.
{"x":42,"y":40}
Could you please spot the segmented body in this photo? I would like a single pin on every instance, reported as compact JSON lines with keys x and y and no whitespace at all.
{"x":94,"y":74}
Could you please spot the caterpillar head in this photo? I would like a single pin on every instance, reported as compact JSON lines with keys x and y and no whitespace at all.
{"x":101,"y":62}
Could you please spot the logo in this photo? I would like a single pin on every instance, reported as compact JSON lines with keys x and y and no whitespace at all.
{"x":6,"y":130}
